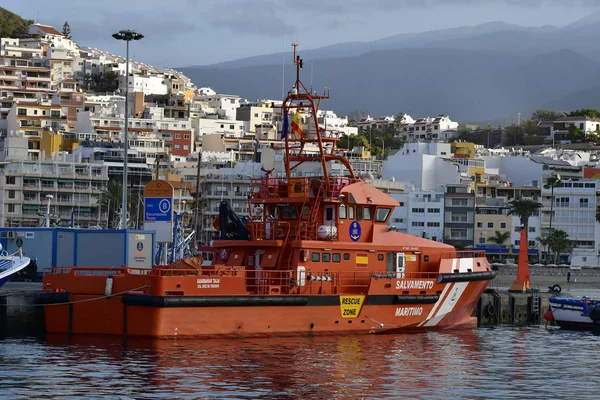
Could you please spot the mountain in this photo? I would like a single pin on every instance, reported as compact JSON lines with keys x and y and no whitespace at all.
{"x":348,"y":49}
{"x":12,"y":25}
{"x":476,"y":73}
{"x":468,"y":85}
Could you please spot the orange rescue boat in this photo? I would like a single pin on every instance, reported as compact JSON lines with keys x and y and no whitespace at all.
{"x":316,"y":257}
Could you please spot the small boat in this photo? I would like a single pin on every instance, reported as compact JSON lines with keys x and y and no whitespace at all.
{"x":11,"y":264}
{"x":575,"y":313}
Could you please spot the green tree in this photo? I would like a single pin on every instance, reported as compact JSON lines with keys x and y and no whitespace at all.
{"x":514,"y":135}
{"x":12,"y":25}
{"x":66,"y":30}
{"x":112,"y":198}
{"x":584,"y":112}
{"x":559,"y":242}
{"x":499,"y":237}
{"x":546,"y":115}
{"x":524,"y":208}
{"x":110,"y":81}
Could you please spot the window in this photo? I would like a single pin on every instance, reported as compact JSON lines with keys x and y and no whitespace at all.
{"x":490,"y":225}
{"x":433,"y":224}
{"x":382,"y":214}
{"x":517,"y":242}
{"x":482,"y":240}
{"x":342,"y":211}
{"x":11,"y":208}
{"x":433,"y":210}
{"x":418,"y":210}
{"x":186,"y":136}
{"x":336,"y":257}
{"x":326,"y":257}
{"x":502,"y":225}
{"x":583,"y":203}
{"x":562,"y":202}
{"x":177,"y":147}
{"x":346,"y":256}
{"x":11,"y":194}
{"x":351,"y":212}
{"x":458,"y":233}
{"x":177,"y":136}
{"x":460,"y":202}
{"x":10,"y":180}
{"x":480,"y":224}
{"x":316,"y":257}
{"x":398,"y":220}
{"x":367,"y":213}
{"x":359,"y":213}
{"x":22,"y":111}
{"x":231,"y":126}
{"x":287,"y":212}
{"x":532,"y":229}
{"x":531,"y":243}
{"x":418,"y":223}
{"x":186,"y":147}
{"x":401,"y":204}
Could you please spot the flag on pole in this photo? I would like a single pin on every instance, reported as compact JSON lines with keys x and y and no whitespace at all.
{"x":285,"y":128}
{"x":297,"y":125}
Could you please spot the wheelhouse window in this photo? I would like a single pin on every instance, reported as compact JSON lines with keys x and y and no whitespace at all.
{"x":287,"y":213}
{"x":336,"y":257}
{"x":305,"y":213}
{"x":342,"y":211}
{"x":359,"y":213}
{"x":316,"y":257}
{"x":367,"y":214}
{"x":382,"y":214}
{"x":326,"y":257}
{"x":351,"y":212}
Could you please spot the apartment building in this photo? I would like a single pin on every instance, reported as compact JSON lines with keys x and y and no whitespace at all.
{"x":206,"y":126}
{"x":31,"y":119}
{"x":459,"y":215}
{"x":71,"y":188}
{"x":420,"y":213}
{"x":22,"y":48}
{"x":219,"y":106}
{"x":574,"y":212}
{"x":256,"y":114}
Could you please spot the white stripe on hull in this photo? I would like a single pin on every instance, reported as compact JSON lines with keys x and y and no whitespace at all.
{"x":449,"y":303}
{"x":436,"y":305}
{"x":573,"y":314}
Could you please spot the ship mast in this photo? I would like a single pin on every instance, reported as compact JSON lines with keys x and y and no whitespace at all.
{"x":300,"y":133}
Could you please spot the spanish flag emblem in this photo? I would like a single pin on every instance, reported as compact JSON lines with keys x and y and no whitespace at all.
{"x":297,"y":125}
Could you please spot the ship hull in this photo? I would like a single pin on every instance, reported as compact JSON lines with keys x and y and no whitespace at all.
{"x":448,"y":306}
{"x":574,"y":313}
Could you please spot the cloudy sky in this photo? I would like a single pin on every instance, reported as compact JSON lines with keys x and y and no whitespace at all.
{"x":199,"y":32}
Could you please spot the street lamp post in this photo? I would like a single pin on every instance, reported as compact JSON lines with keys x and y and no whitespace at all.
{"x":127,"y":36}
{"x":382,"y":148}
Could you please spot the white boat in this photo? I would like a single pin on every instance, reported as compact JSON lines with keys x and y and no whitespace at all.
{"x":576,"y":312}
{"x":10,"y":264}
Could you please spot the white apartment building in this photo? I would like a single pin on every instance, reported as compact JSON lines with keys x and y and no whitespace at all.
{"x":575,"y":213}
{"x":148,"y":84}
{"x":420,"y":213}
{"x":422,"y":165}
{"x":590,"y":126}
{"x":256,"y":114}
{"x":53,"y":38}
{"x":205,"y":126}
{"x":440,"y":128}
{"x":22,"y":48}
{"x":223,"y":106}
{"x":329,"y":121}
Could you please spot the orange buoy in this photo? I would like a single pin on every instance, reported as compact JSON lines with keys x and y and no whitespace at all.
{"x":548,"y":315}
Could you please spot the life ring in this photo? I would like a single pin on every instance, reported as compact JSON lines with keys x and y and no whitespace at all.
{"x":490,"y":309}
{"x":556,"y":288}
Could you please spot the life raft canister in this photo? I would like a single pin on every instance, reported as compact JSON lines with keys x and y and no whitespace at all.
{"x":548,"y":315}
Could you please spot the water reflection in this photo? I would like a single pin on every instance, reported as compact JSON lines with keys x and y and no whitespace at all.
{"x":500,"y":362}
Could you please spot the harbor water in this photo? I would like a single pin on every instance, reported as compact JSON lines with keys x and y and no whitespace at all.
{"x":496,"y":362}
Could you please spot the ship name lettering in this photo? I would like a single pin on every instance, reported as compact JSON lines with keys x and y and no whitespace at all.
{"x":408,"y":311}
{"x":414,"y":284}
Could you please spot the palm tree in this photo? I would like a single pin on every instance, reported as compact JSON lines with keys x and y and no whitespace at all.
{"x":499,"y":237}
{"x":524,"y":208}
{"x":552,"y":182}
{"x":559,"y":242}
{"x":110,"y":80}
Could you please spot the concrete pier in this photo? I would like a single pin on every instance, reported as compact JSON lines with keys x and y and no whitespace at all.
{"x":498,"y":307}
{"x":19,"y":316}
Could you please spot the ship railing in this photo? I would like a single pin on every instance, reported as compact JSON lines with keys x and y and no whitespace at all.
{"x":405,"y":275}
{"x":270,"y":230}
{"x":198,"y":272}
{"x":96,"y":271}
{"x":463,"y":254}
{"x":263,"y":282}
